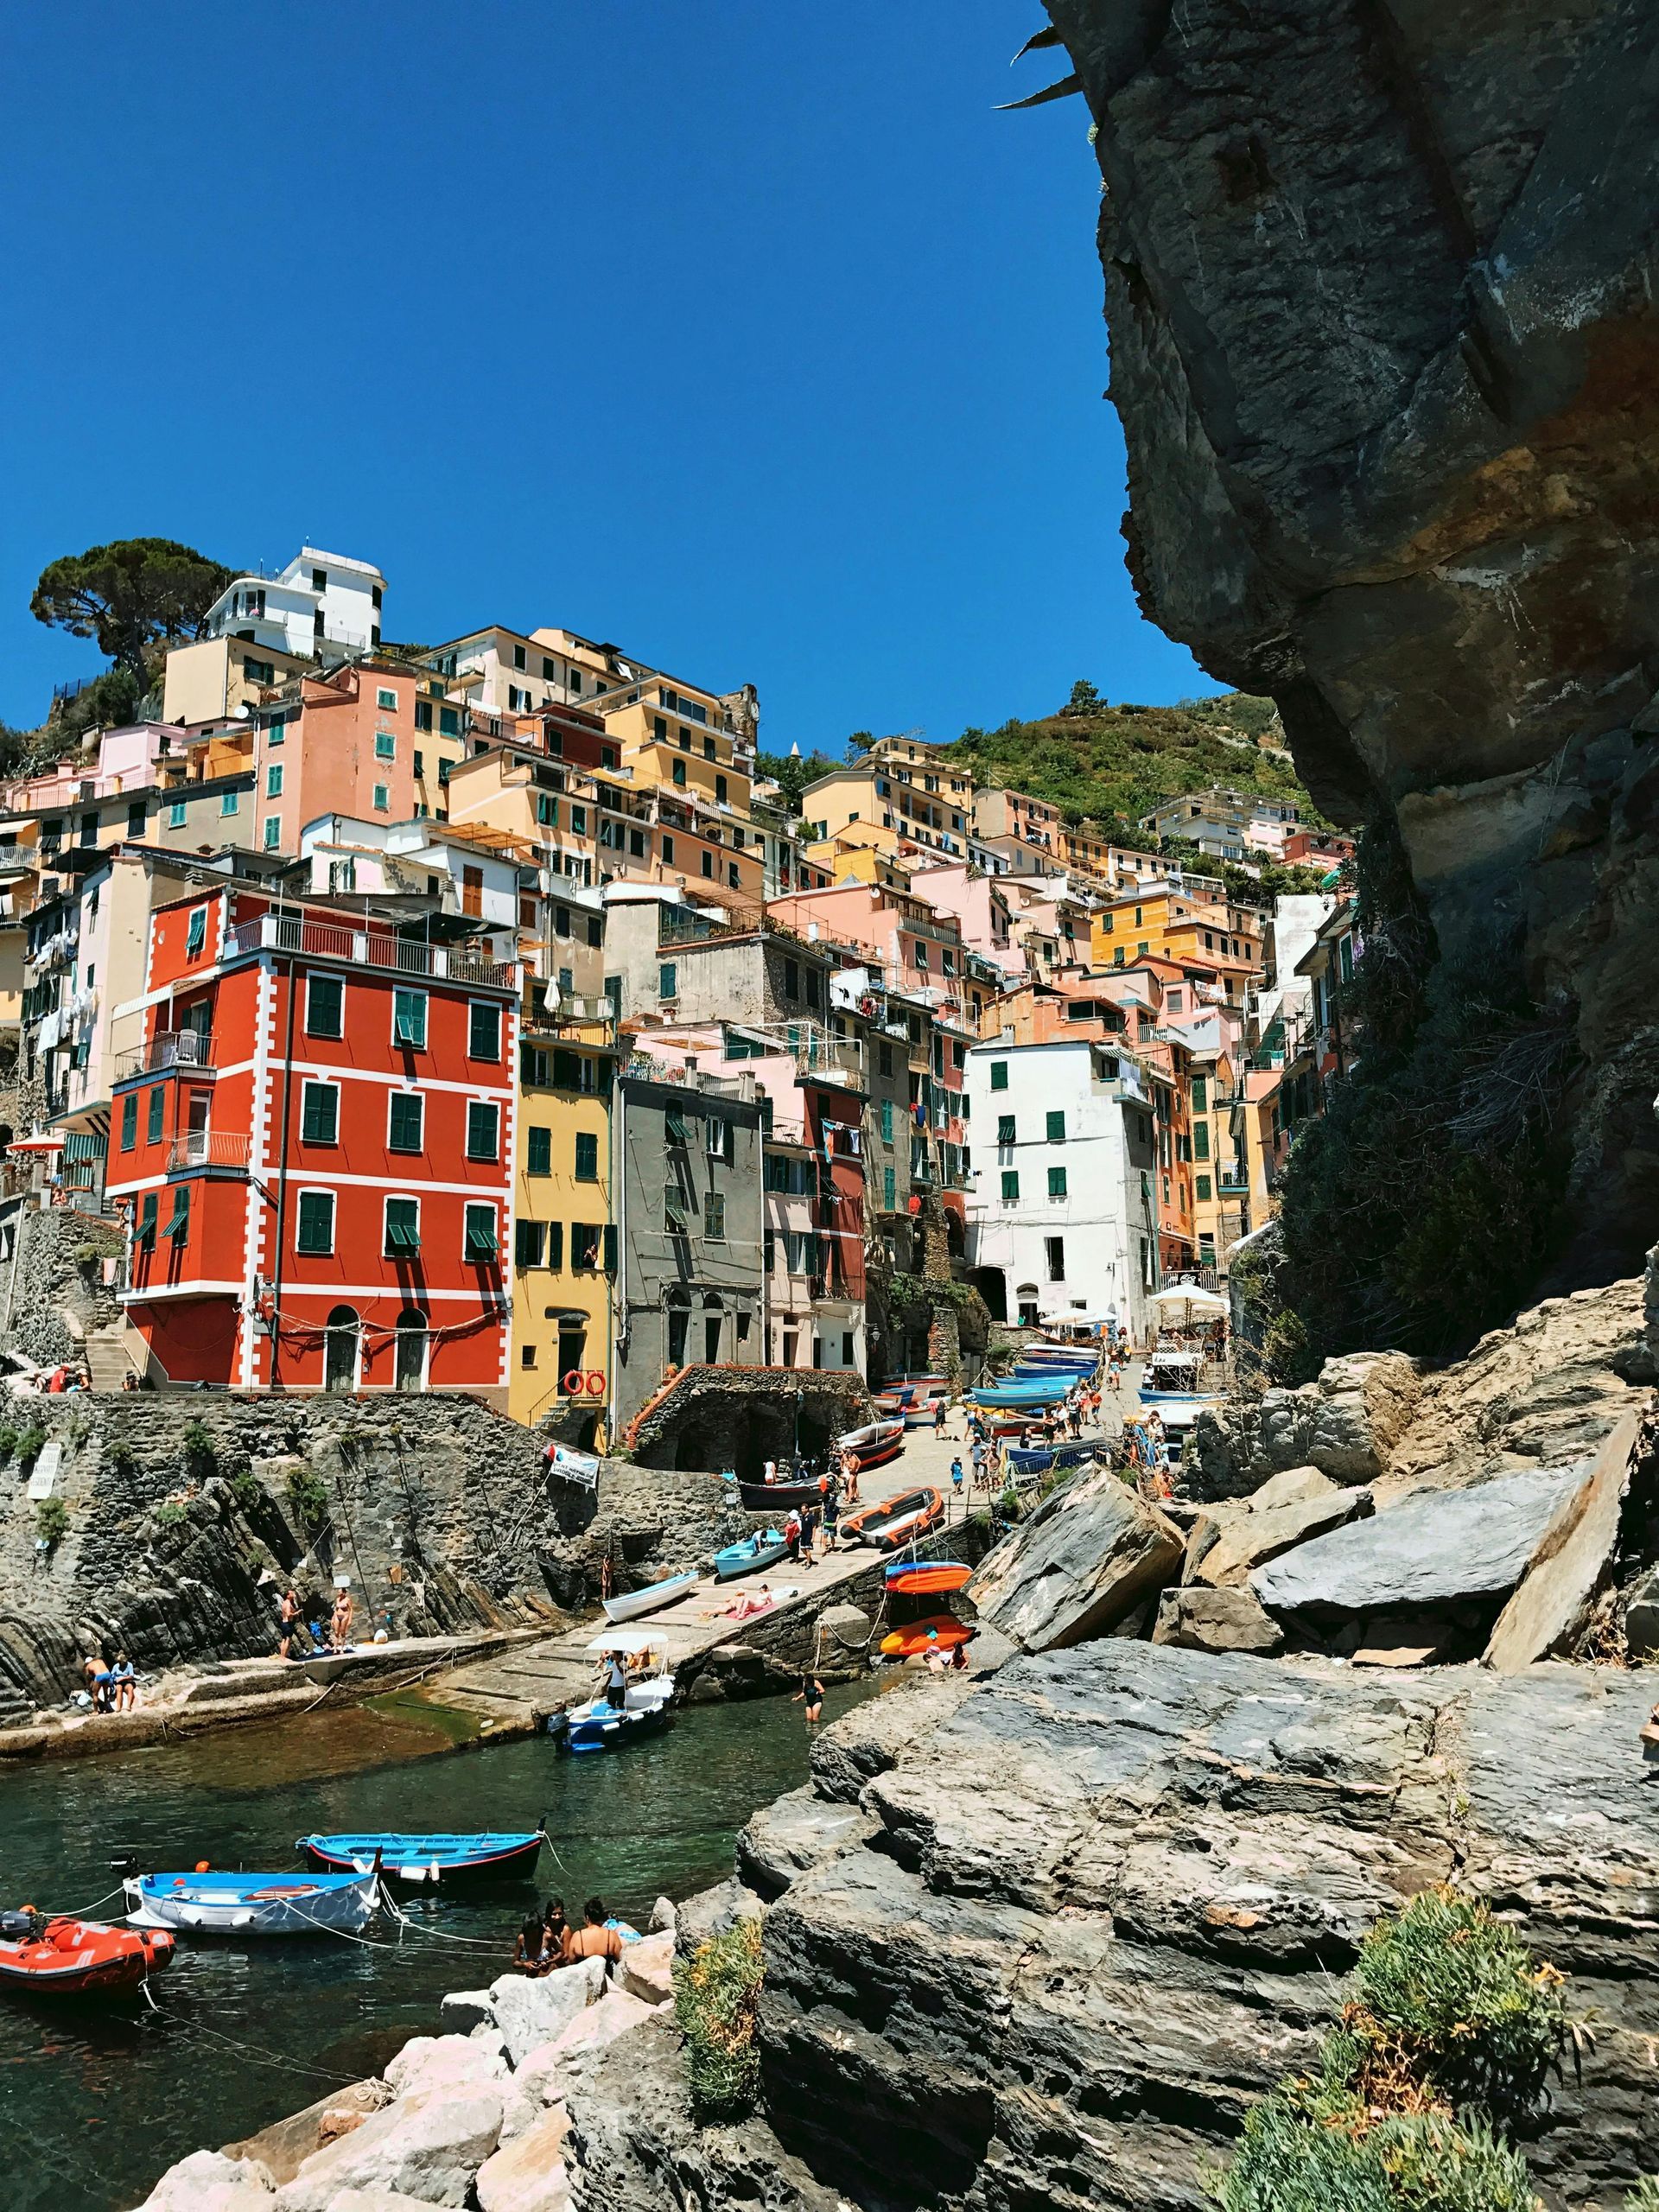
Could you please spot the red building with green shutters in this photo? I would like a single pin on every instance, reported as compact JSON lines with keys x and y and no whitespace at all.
{"x":314,"y":1148}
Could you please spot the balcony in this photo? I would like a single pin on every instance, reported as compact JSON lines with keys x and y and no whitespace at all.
{"x":198,"y":1149}
{"x":1233,"y":1183}
{"x":170,"y":1050}
{"x":360,"y":949}
{"x":563,"y":1010}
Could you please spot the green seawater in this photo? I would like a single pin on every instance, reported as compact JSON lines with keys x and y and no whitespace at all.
{"x":96,"y":2104}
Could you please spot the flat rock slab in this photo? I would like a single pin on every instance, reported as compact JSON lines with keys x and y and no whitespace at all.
{"x":1554,"y":1595}
{"x":528,"y":2175}
{"x":783,"y":1839}
{"x":1248,"y":1540}
{"x":1198,"y":1619}
{"x":1436,"y":1547}
{"x":529,"y":2012}
{"x":1086,"y":1559}
{"x":430,"y":2150}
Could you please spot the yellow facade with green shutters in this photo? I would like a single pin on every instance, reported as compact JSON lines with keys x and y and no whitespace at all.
{"x":564,"y":1233}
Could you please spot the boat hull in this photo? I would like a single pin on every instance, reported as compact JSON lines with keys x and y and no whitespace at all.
{"x":444,"y":1860}
{"x":1041,"y":1460}
{"x":896,"y":1521}
{"x":83,"y":1959}
{"x":737,"y":1560}
{"x":926,"y":1578}
{"x":599,"y":1725}
{"x":633,"y":1604}
{"x":769,"y":1497}
{"x":939,"y":1632}
{"x":253,"y":1905}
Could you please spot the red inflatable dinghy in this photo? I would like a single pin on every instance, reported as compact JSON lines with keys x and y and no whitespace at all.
{"x":54,"y":1957}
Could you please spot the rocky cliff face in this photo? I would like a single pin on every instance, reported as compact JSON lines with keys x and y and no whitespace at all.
{"x":1379,"y":279}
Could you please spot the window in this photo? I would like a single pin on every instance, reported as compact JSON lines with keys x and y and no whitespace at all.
{"x":386,"y":699}
{"x":1010,"y":1185}
{"x":555,"y":1247}
{"x":1200,"y":1095}
{"x":791,"y":979}
{"x":1056,"y":1182}
{"x":884,"y":1058}
{"x":999,"y":1075}
{"x":382,"y":798}
{"x":720,"y":790}
{"x":450,"y":721}
{"x":325,"y":1007}
{"x":1200,"y":1140}
{"x":479,"y":1240}
{"x":887,"y":1120}
{"x":130,"y":1121}
{"x":668,"y":852}
{"x":405,"y":1116}
{"x":717,"y":1137}
{"x":585,"y":1238}
{"x":274,"y":779}
{"x":539,"y":1151}
{"x":403,"y":1228}
{"x":423,"y":714}
{"x":230,"y":803}
{"x":1057,"y":1128}
{"x":579,"y":821}
{"x":178,"y":1226}
{"x":483,"y":1129}
{"x":674,"y":1215}
{"x":484,"y":1032}
{"x":195,"y":936}
{"x":177,"y":814}
{"x":156,"y":1111}
{"x":136,"y":819}
{"x":385,"y":745}
{"x":1005,"y":1129}
{"x":319,"y":1113}
{"x":587,"y":1156}
{"x":1203,"y":1190}
{"x":679,"y":773}
{"x":713,"y":1217}
{"x":667,"y":980}
{"x":314,"y":1230}
{"x":143,"y":1236}
{"x":273,"y":832}
{"x":708,"y":861}
{"x":1054,"y":1257}
{"x":529,"y":1241}
{"x":888,"y":1198}
{"x":409,"y":1019}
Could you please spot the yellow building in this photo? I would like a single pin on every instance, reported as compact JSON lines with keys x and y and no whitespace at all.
{"x":1219,"y":1178}
{"x":901,"y":786}
{"x":1165,"y":924}
{"x":565,"y":1236}
{"x":217,"y":678}
{"x":862,"y":852}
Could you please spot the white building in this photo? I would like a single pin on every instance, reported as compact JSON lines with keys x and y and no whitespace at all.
{"x":318,"y":601}
{"x":1063,"y":1210}
{"x":419,"y":860}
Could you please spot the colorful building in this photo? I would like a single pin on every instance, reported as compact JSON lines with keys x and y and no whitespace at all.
{"x":313,"y":1147}
{"x":564,"y":1232}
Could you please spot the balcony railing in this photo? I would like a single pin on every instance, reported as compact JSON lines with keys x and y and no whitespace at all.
{"x":360,"y":949}
{"x":207,"y":1149}
{"x":171,"y":1049}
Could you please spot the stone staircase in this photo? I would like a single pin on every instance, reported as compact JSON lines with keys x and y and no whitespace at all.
{"x":108,"y":1360}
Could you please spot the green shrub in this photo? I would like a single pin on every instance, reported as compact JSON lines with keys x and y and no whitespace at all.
{"x":198,"y":1450}
{"x":716,"y":2004}
{"x":245,"y":1486}
{"x":87,"y":1255}
{"x":170,"y":1512}
{"x":1644,"y":2198}
{"x":308,"y":1500}
{"x":123,"y":1458}
{"x":8,"y":1442}
{"x":29,"y":1444}
{"x":1296,"y":2157}
{"x":51,"y":1521}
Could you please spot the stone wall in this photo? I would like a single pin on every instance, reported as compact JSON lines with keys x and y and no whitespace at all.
{"x":739,"y":1417}
{"x":186,"y":1513}
{"x":47,"y":1278}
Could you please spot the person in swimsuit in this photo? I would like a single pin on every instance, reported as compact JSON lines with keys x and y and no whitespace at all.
{"x":529,"y":1953}
{"x":595,"y":1940}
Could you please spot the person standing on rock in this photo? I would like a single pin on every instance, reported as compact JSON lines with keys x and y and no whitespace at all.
{"x":289,"y":1624}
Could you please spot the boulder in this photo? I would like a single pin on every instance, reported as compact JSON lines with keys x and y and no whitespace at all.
{"x":599,"y":2025}
{"x":429,"y":2148}
{"x":1553,"y":1600}
{"x":783,"y":1839}
{"x":1436,"y":1548}
{"x":283,"y":2147}
{"x":427,"y":2063}
{"x":1641,"y":1616}
{"x":1198,"y":1619}
{"x":1086,"y":1560}
{"x":1293,"y":1486}
{"x":207,"y":2181}
{"x":645,"y":1969}
{"x":868,"y":1740}
{"x":528,"y":2175}
{"x":1248,"y":1538}
{"x":376,"y":2200}
{"x":529,"y":2012}
{"x":463,"y":2009}
{"x":712,"y":1912}
{"x":662,"y":1913}
{"x":1366,"y":1404}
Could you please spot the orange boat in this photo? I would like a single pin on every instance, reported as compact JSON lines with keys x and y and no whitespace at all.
{"x":939,"y":1632}
{"x":926,"y":1578}
{"x":896,"y":1521}
{"x":52,"y":1956}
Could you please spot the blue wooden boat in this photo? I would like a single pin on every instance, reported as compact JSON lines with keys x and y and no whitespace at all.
{"x":1041,"y":1458}
{"x":1024,"y":1394}
{"x":765,"y":1548}
{"x":489,"y":1856}
{"x":216,"y":1903}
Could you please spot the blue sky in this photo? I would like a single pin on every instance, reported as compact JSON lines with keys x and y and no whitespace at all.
{"x":743,"y":335}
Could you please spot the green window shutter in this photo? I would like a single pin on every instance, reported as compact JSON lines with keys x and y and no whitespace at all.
{"x":1005,"y":1129}
{"x":130,"y":1121}
{"x":145,"y":1236}
{"x":888,"y":1190}
{"x":887,"y":1120}
{"x":1200,"y":1093}
{"x":325,"y":1007}
{"x":482,"y":1125}
{"x":480,"y":1233}
{"x":1200,"y":1140}
{"x":157,"y":1112}
{"x":674,"y":1212}
{"x":668,"y":977}
{"x":409,"y":1019}
{"x":539,"y":1153}
{"x":404,"y":1132}
{"x":1202,"y":1185}
{"x":178,"y":1227}
{"x":1057,"y":1128}
{"x":555,"y":1244}
{"x":316,"y":1232}
{"x":610,"y":1247}
{"x":195,"y":937}
{"x":484,"y":1032}
{"x":678,"y":1128}
{"x":320,"y":1114}
{"x":1056,"y":1182}
{"x":402,"y":1225}
{"x":999,"y":1075}
{"x":1010,"y":1183}
{"x":587,"y":1156}
{"x":567,"y":1070}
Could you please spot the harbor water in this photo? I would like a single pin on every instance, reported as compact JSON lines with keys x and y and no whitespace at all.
{"x":97,"y":2105}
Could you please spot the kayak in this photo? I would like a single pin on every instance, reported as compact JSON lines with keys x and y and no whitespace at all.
{"x":749,"y":1555}
{"x":488,"y":1856}
{"x":895,"y":1521}
{"x":919,"y":1578}
{"x":50,"y":1957}
{"x":253,"y":1905}
{"x":939,"y":1632}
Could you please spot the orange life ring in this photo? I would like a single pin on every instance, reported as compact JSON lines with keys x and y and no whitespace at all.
{"x":596,"y":1382}
{"x":571,"y":1385}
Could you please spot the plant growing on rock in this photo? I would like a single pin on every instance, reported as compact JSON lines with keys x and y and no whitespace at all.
{"x":170,"y":1512}
{"x":308,"y":1500}
{"x":122,"y":1459}
{"x":51,"y":1521}
{"x":8,"y":1442}
{"x":30,"y":1441}
{"x":717,"y":2006}
{"x":198,"y":1450}
{"x":1449,"y":2032}
{"x":1644,"y":2198}
{"x":245,"y":1486}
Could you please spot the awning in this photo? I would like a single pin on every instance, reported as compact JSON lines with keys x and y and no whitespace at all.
{"x":1189,"y":1294}
{"x":629,"y":1640}
{"x":35,"y":1144}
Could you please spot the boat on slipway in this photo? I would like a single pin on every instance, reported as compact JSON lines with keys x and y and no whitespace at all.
{"x":488,"y":1855}
{"x":632,"y":1604}
{"x":937,"y":1632}
{"x":213,"y":1903}
{"x":874,"y":1444}
{"x":749,"y":1555}
{"x":896,"y":1521}
{"x":778,"y":1498}
{"x":926,"y":1578}
{"x":44,"y":1955}
{"x":1018,"y":1396}
{"x":1046,"y":1458}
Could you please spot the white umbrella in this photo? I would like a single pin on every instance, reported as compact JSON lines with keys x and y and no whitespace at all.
{"x":630,"y":1641}
{"x":1189,"y":1294}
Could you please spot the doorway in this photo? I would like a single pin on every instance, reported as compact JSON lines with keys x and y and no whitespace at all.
{"x":340,"y":1348}
{"x":409,"y":1368}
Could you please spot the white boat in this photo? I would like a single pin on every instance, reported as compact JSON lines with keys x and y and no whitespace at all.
{"x":598,"y":1724}
{"x":213,"y":1903}
{"x":632,"y":1604}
